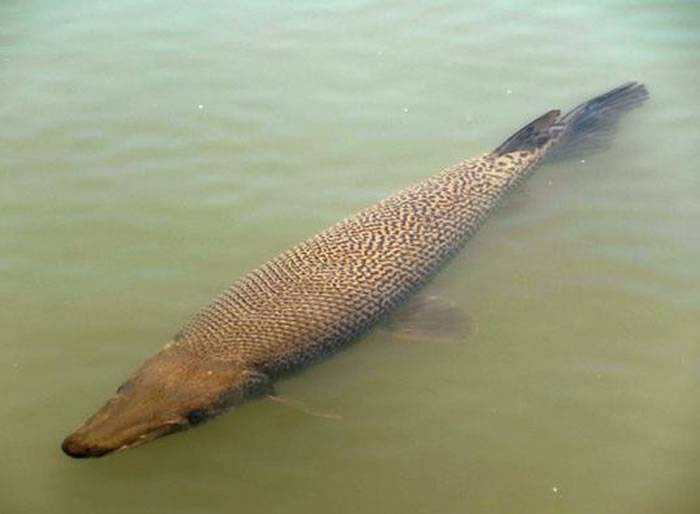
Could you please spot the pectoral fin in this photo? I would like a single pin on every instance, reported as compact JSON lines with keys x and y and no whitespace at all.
{"x":430,"y":318}
{"x":301,"y":407}
{"x":258,"y":383}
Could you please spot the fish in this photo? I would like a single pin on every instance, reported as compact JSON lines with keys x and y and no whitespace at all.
{"x":329,"y":290}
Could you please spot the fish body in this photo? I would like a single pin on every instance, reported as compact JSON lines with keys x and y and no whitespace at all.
{"x":323,"y":292}
{"x":329,"y":289}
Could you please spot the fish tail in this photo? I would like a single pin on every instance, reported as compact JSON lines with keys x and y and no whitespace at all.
{"x":587,"y":128}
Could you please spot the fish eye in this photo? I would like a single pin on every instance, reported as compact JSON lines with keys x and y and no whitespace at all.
{"x":195,"y":417}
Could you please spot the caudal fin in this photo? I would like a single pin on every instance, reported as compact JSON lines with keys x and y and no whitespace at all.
{"x":585,"y":129}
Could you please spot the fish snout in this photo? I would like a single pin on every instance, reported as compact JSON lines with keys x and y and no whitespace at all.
{"x":171,"y":392}
{"x":118,"y":425}
{"x":73,"y":447}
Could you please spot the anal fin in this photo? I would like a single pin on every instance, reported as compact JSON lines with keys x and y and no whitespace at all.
{"x":430,"y":318}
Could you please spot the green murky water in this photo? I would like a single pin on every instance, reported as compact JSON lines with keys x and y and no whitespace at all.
{"x":152,"y":153}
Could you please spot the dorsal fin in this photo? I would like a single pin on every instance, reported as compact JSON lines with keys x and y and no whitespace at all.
{"x":533,"y":135}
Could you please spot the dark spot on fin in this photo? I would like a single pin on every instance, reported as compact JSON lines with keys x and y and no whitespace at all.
{"x":533,"y":135}
{"x":430,"y":319}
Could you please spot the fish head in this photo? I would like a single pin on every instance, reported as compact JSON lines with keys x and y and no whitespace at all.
{"x":172,"y":391}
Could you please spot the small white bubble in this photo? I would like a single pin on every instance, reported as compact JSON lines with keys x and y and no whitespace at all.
{"x":200,"y":106}
{"x":555,"y":489}
{"x":380,"y":53}
{"x":583,"y":161}
{"x":405,"y":109}
{"x":509,"y":92}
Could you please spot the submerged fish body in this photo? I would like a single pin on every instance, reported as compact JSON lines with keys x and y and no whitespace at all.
{"x":329,"y":289}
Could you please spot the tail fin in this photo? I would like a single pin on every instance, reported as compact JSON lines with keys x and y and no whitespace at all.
{"x":585,"y":129}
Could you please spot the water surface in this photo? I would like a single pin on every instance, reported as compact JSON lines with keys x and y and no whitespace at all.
{"x":150,"y":154}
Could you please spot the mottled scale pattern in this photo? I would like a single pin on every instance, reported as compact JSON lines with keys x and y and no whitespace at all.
{"x":328,"y":289}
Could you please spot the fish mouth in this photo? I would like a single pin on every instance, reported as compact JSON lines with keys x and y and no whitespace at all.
{"x":75,"y":449}
{"x":79,"y":446}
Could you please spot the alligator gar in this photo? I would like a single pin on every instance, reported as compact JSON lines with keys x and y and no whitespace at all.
{"x":328,"y":290}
